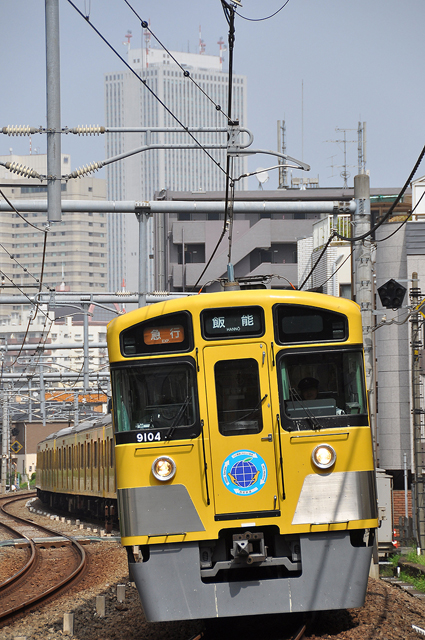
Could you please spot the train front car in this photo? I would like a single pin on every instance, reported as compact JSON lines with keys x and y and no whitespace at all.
{"x":245,"y":474}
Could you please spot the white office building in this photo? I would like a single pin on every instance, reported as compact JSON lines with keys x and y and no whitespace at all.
{"x":164,"y":88}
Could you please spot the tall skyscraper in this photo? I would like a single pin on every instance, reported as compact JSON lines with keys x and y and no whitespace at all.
{"x":129,"y":103}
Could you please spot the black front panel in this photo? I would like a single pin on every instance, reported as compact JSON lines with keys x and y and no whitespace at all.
{"x":232,"y":322}
{"x":297,"y":324}
{"x":169,"y":333}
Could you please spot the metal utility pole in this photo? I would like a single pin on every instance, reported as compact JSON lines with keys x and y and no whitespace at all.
{"x":53,"y":111}
{"x":281,"y":147}
{"x":417,"y":412}
{"x":5,"y":441}
{"x":363,"y":270}
{"x":361,"y":147}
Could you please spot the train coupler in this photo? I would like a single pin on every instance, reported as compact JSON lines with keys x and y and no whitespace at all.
{"x":249,"y":547}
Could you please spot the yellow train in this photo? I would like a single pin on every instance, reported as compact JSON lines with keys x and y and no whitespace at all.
{"x":76,"y":470}
{"x":244,"y":464}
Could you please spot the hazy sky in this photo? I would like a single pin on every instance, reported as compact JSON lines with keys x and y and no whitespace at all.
{"x":359,"y":60}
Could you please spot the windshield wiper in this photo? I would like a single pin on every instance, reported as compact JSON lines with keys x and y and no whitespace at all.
{"x":310,"y":417}
{"x":177,"y":417}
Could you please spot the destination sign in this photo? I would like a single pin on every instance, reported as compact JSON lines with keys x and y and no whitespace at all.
{"x":228,"y":322}
{"x":163,"y":335}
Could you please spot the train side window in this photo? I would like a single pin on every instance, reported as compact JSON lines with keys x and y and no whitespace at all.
{"x":60,"y":459}
{"x":95,"y":454}
{"x":238,"y":396}
{"x":111,"y":453}
{"x":81,"y":456}
{"x":88,"y":455}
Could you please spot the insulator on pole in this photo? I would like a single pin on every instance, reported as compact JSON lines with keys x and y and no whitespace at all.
{"x":88,"y":130}
{"x":22,"y":170}
{"x":83,"y":171}
{"x":19,"y":130}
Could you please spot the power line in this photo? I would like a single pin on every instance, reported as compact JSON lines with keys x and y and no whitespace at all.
{"x":186,"y":73}
{"x":261,"y":19}
{"x":391,"y":209}
{"x":144,"y":82}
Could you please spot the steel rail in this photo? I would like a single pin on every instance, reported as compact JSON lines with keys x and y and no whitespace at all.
{"x":60,"y":586}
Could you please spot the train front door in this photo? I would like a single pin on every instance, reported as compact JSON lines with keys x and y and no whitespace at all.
{"x":241,"y":432}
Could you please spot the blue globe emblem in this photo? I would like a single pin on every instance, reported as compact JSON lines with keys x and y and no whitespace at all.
{"x":244,"y":473}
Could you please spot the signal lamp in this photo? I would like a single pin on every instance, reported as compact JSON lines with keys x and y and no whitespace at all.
{"x":392,"y":294}
{"x":323,"y":456}
{"x":164,"y":468}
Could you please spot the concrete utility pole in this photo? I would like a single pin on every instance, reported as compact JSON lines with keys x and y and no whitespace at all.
{"x":417,"y":412}
{"x":53,"y":103}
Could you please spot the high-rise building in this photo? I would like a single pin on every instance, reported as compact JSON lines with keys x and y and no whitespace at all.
{"x":76,"y":247}
{"x":133,"y":102}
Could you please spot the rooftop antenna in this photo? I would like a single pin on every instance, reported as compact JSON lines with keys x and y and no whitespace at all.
{"x":128,"y":35}
{"x":147,"y":44}
{"x":223,"y":48}
{"x":262,"y":176}
{"x":201,"y":42}
{"x":344,"y":174}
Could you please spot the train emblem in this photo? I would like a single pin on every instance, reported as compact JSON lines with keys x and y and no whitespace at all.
{"x":244,"y":472}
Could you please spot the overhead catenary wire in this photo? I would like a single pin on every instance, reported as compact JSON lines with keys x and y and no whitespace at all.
{"x":266,"y":17}
{"x":331,"y":237}
{"x":378,"y":224}
{"x":408,"y":215}
{"x":186,"y":73}
{"x":229,"y":13}
{"x":391,"y":209}
{"x":144,"y":82}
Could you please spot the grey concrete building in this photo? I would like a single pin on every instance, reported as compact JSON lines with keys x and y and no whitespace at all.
{"x":397,"y":257}
{"x":129,"y":103}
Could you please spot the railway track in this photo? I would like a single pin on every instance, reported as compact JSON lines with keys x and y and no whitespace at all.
{"x":54,"y":563}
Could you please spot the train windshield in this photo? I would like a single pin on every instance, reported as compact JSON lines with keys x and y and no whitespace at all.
{"x":155,"y":396}
{"x":322,"y":388}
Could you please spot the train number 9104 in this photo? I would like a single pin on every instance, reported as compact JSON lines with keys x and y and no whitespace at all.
{"x":148,"y":436}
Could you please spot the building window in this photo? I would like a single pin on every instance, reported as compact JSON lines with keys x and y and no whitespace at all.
{"x":193,"y":254}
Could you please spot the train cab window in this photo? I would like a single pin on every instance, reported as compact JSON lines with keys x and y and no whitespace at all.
{"x":322,"y":388}
{"x":160,"y":398}
{"x":296,"y":324}
{"x":238,"y":397}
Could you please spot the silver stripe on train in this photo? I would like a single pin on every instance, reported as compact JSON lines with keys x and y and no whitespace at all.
{"x":157,"y":511}
{"x":336,"y":497}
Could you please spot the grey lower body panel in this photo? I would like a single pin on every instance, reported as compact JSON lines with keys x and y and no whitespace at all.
{"x":334,"y":576}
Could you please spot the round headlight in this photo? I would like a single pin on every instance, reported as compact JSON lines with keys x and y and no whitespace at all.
{"x":323,"y":456}
{"x":164,"y":468}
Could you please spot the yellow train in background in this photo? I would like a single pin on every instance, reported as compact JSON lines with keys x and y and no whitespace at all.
{"x":244,"y":465}
{"x":76,"y":470}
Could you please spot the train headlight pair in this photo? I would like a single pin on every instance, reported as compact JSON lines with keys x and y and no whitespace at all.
{"x":323,"y":456}
{"x":164,"y":468}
